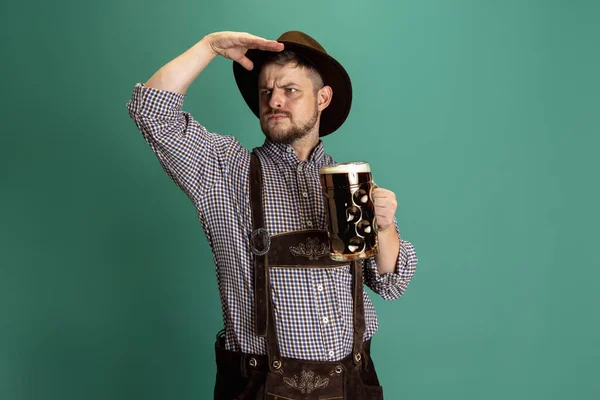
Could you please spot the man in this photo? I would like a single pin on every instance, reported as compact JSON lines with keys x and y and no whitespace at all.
{"x":295,"y":330}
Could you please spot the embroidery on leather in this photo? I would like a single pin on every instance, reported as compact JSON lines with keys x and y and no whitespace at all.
{"x":307,"y":382}
{"x":313,"y":249}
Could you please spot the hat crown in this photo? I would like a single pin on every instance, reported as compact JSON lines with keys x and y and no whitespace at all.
{"x":301,"y":38}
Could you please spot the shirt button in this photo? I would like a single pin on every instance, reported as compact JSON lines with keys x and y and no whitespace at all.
{"x":309,"y":223}
{"x":299,"y":168}
{"x":331,"y":354}
{"x":325,"y":320}
{"x":304,"y":194}
{"x":320,"y":288}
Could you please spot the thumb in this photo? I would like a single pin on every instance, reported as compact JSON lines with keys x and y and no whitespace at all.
{"x":246,"y":63}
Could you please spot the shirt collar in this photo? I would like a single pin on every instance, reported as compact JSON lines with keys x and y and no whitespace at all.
{"x":285,"y":153}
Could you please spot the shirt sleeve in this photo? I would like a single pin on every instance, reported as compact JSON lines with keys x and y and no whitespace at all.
{"x":190,"y":155}
{"x":392,"y":285}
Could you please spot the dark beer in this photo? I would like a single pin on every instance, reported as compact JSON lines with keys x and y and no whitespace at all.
{"x":352,"y":226}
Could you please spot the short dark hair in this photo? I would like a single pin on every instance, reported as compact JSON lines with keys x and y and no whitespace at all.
{"x":291,"y":57}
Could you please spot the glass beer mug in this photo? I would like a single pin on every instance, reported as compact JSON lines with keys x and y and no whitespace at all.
{"x":352,"y":226}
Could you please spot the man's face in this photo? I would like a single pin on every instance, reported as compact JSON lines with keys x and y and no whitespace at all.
{"x":287,"y":103}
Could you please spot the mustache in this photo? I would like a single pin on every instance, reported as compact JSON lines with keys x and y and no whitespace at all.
{"x":276,"y":112}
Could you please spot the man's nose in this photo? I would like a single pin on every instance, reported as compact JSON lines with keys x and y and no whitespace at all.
{"x":276,"y":101}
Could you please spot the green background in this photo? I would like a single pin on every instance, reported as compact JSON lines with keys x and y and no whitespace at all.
{"x":482,"y":116}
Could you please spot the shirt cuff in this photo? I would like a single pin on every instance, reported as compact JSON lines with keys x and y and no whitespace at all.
{"x":392,"y":285}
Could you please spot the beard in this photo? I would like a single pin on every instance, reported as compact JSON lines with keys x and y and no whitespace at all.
{"x":277,"y":134}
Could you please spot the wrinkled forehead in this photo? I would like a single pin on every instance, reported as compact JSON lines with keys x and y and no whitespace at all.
{"x":277,"y":73}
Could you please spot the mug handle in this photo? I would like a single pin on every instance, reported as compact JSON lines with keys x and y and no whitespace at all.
{"x":374,"y":186}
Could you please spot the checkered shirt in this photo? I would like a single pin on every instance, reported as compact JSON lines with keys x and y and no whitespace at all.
{"x":313,"y":307}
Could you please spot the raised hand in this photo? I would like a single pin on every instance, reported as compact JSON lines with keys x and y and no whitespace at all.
{"x":234,"y":45}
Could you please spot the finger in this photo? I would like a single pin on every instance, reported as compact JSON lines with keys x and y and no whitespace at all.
{"x":385,"y":209}
{"x":383,"y":212}
{"x":388,"y":198}
{"x":246,"y":63}
{"x":262,"y":44}
{"x":382,"y":206}
{"x":381,"y":196}
{"x":379,"y":192}
{"x":276,"y":47}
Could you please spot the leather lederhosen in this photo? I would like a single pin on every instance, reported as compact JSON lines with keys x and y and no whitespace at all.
{"x":244,"y":376}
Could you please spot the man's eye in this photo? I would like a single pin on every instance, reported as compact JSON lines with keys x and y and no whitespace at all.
{"x":291,"y":90}
{"x":265,"y":91}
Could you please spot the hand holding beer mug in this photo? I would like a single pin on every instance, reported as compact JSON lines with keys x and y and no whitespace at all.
{"x":348,"y":195}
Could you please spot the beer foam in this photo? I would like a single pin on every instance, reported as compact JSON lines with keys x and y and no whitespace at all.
{"x":346,"y":167}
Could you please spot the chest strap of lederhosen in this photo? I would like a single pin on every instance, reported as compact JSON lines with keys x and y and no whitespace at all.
{"x":260,"y":243}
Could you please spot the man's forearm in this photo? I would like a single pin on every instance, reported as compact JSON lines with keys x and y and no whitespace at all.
{"x":389,"y":248}
{"x":177,"y":75}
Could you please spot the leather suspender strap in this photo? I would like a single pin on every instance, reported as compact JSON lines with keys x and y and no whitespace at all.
{"x":271,"y":341}
{"x":259,"y":244}
{"x":359,"y":311}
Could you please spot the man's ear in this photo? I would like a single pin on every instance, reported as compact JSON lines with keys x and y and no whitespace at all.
{"x":324,"y":96}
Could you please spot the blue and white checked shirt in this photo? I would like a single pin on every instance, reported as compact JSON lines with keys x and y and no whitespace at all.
{"x":313,"y":307}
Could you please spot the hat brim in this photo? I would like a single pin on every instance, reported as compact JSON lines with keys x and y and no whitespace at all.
{"x":330,"y":69}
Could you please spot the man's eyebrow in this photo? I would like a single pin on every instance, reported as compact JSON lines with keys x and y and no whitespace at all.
{"x":286,"y":84}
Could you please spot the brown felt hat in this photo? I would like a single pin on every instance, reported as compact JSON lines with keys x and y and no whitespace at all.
{"x":331,"y":71}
